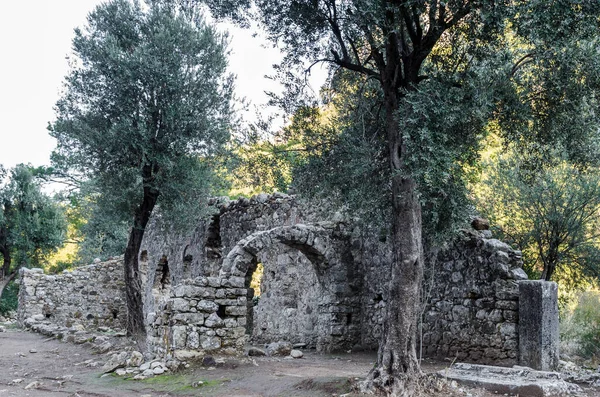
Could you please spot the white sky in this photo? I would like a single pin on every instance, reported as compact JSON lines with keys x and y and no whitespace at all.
{"x":35,"y":38}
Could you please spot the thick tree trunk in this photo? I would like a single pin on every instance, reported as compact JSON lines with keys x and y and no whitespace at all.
{"x":397,"y":370}
{"x":133,"y":284}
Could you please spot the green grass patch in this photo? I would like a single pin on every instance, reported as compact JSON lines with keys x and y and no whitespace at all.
{"x":169,"y":383}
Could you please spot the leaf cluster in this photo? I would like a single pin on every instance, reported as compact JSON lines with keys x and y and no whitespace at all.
{"x":32,"y":225}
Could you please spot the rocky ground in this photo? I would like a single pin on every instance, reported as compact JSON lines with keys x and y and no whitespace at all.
{"x":35,"y":365}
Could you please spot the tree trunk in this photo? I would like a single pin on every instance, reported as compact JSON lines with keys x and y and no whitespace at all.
{"x":397,"y":368}
{"x":6,"y":263}
{"x":133,"y":284}
{"x":4,"y":249}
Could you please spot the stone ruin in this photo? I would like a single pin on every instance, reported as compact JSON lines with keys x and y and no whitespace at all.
{"x":324,"y":285}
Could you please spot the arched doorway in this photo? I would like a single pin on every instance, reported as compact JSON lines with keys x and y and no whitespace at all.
{"x":306,"y":294}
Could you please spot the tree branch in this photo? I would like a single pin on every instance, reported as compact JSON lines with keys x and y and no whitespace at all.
{"x":354,"y":67}
{"x":527,"y":58}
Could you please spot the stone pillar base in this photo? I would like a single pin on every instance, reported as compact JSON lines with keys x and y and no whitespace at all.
{"x":538,"y":324}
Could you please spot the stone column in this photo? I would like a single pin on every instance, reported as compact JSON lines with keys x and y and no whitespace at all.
{"x":538,"y":324}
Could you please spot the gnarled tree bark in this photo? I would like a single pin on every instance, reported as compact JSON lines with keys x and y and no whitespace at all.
{"x":133,"y":283}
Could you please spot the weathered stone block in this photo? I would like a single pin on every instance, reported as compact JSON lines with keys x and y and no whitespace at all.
{"x":538,"y":324}
{"x":214,"y":282}
{"x":236,"y":310}
{"x":180,"y":305}
{"x":179,"y":336}
{"x":213,"y":321}
{"x":210,"y":343}
{"x":235,"y":282}
{"x":207,"y":306}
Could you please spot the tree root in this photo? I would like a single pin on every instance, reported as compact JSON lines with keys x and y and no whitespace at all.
{"x":402,"y":385}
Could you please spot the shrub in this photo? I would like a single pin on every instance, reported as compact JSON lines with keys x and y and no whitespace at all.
{"x":9,"y":299}
{"x":580,"y":327}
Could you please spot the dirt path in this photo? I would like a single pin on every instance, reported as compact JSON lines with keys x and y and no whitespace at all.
{"x":33,"y":365}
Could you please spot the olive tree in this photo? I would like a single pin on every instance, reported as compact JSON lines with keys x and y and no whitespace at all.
{"x":145,"y":106}
{"x":32,"y":225}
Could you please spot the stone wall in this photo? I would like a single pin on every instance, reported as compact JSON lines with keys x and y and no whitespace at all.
{"x":87,"y":297}
{"x":473,"y":305}
{"x":332,"y":294}
{"x":301,"y":300}
{"x":200,"y":316}
{"x":471,"y":293}
{"x":324,"y":284}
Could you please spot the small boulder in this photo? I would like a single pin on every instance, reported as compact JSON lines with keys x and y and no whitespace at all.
{"x":116,"y":361}
{"x":144,"y":366}
{"x":208,"y":361}
{"x":279,"y":348}
{"x":296,"y":353}
{"x":33,"y":385}
{"x":156,"y":364}
{"x":136,"y":359}
{"x":158,"y":370}
{"x":148,"y":372}
{"x":102,"y":347}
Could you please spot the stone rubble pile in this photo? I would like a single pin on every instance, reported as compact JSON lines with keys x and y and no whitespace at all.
{"x":133,"y":364}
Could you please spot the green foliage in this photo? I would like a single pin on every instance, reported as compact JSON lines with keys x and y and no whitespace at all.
{"x":101,"y":231}
{"x":59,"y":267}
{"x":551,"y":214}
{"x":350,"y":171}
{"x":32,"y":225}
{"x":146,"y":104}
{"x":580,"y":327}
{"x":267,"y":165}
{"x":10,"y":298}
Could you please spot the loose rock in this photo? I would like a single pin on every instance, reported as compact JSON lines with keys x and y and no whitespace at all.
{"x":256,"y":352}
{"x":279,"y":348}
{"x":296,"y":353}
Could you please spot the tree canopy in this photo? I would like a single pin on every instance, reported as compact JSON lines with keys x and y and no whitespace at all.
{"x":32,"y":225}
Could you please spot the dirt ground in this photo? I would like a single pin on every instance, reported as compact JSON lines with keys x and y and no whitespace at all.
{"x":33,"y":365}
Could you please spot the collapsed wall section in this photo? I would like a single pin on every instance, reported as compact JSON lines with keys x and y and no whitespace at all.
{"x":87,"y":297}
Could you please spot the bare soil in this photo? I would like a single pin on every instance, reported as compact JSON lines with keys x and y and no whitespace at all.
{"x":33,"y":365}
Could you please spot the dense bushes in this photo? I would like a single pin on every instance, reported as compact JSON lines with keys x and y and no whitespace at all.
{"x":580,"y":327}
{"x":9,"y":299}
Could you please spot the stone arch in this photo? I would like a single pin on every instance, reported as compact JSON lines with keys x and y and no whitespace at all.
{"x":334,"y":330}
{"x":313,"y":241}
